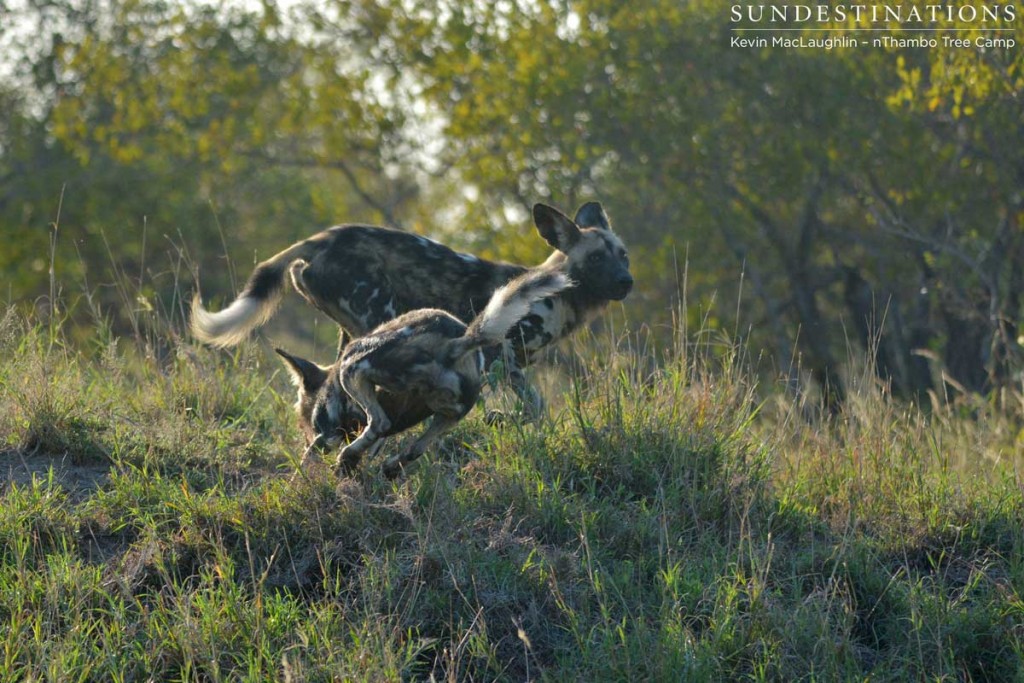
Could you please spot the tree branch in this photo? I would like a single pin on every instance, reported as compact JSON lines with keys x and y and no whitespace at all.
{"x":383,"y":208}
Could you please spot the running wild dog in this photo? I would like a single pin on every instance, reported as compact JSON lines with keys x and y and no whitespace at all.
{"x":363,"y":276}
{"x":423,"y":363}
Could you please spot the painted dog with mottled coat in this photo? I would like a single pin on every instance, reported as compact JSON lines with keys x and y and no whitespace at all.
{"x":363,"y":276}
{"x":423,"y":363}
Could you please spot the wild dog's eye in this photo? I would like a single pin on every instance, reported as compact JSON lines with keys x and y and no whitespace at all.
{"x":594,"y":257}
{"x":624,"y":256}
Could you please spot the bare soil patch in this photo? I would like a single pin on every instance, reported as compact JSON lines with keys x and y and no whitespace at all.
{"x":19,"y":467}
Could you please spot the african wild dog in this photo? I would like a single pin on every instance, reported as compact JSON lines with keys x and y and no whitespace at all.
{"x":426,"y":362}
{"x":363,"y":276}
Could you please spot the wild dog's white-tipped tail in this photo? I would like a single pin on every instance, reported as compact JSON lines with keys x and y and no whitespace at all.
{"x":509,"y":305}
{"x":230,"y":326}
{"x":257,"y":302}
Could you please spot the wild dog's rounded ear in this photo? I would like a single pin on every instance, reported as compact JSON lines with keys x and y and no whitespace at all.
{"x":555,"y":227}
{"x":592,"y":215}
{"x":304,"y":374}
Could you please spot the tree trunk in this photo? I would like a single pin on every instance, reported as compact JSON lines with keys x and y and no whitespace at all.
{"x":882,"y":331}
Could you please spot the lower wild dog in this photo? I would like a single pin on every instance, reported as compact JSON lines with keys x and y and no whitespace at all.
{"x":423,"y":363}
{"x":363,"y":277}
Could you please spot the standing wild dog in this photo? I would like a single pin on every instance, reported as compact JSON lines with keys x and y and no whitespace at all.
{"x":423,"y":363}
{"x":362,"y":277}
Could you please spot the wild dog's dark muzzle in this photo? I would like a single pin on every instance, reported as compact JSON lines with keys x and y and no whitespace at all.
{"x":623,"y":286}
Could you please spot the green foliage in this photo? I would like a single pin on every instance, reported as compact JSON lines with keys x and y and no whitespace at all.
{"x":134,"y":124}
{"x":868,"y":197}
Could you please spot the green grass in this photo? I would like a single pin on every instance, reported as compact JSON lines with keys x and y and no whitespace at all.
{"x":670,"y":522}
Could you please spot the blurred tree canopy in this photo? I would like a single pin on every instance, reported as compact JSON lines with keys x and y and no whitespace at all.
{"x":820,"y":200}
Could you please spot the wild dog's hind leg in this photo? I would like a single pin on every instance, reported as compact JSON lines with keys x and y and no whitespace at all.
{"x":450,"y":400}
{"x":360,"y":387}
{"x":439,"y":424}
{"x":356,"y":295}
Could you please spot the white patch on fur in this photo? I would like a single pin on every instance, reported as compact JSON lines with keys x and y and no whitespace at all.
{"x":554,"y":320}
{"x":468,"y":258}
{"x":233,"y":324}
{"x":511,"y":303}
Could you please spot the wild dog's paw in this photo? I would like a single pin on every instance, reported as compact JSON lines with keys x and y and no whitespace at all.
{"x":501,"y":419}
{"x":347,"y":462}
{"x":497,"y":418}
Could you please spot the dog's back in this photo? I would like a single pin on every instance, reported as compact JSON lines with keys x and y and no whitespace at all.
{"x":372,"y":275}
{"x":361,"y":276}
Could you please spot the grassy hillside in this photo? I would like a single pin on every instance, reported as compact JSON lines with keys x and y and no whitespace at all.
{"x":670,"y":524}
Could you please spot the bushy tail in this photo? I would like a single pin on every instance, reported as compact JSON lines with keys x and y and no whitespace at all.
{"x":257,"y":302}
{"x":507,"y":306}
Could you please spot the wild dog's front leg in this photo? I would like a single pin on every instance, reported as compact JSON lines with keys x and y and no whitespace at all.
{"x":439,"y":424}
{"x":533,"y":402}
{"x":348,"y":459}
{"x":361,"y":389}
{"x":529,"y":397}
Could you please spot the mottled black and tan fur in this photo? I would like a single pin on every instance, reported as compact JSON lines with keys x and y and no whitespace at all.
{"x":363,"y":276}
{"x":424,"y":363}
